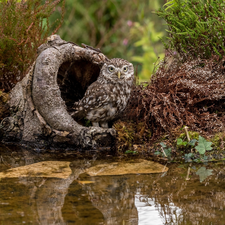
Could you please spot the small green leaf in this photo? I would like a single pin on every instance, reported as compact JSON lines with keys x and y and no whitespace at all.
{"x":197,"y":160}
{"x":168,"y":152}
{"x":203,"y":145}
{"x":192,"y":142}
{"x":157,"y":153}
{"x":205,"y":158}
{"x":181,"y":142}
{"x":190,"y":154}
{"x":204,"y":173}
{"x":131,"y":152}
{"x":162,"y":144}
{"x":187,"y":157}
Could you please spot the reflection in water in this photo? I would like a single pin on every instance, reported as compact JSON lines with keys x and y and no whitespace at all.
{"x":149,"y":211}
{"x":110,"y":200}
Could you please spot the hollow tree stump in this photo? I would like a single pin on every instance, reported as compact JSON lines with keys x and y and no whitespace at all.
{"x":40,"y":104}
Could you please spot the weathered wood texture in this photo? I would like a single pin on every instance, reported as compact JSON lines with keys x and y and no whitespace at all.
{"x":40,"y":104}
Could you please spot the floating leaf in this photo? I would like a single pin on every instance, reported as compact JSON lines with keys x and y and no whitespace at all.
{"x":203,"y":145}
{"x":204,"y":173}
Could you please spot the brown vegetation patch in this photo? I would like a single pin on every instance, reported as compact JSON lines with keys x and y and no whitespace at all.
{"x":24,"y":25}
{"x":192,"y":94}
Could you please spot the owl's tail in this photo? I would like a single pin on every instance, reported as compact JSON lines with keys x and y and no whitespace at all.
{"x":78,"y":112}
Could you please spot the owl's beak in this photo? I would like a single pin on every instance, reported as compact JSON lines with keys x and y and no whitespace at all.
{"x":119,"y":73}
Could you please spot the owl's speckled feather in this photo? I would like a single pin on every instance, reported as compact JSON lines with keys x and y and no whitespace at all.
{"x":107,"y":97}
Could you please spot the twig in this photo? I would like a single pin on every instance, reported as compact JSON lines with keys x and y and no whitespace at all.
{"x":187,"y":134}
{"x":164,"y":152}
{"x":188,"y":172}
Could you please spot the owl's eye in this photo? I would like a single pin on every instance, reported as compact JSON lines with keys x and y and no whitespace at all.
{"x":111,"y":69}
{"x":125,"y":69}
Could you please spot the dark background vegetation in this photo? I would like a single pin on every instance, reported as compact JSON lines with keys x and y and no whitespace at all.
{"x":24,"y":26}
{"x":125,"y":29}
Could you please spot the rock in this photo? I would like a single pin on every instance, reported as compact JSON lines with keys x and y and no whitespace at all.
{"x":121,"y":168}
{"x":51,"y":169}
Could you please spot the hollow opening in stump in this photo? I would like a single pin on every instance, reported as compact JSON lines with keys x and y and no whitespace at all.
{"x":74,"y":78}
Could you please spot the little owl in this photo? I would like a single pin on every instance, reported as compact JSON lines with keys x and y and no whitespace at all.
{"x":107,"y":97}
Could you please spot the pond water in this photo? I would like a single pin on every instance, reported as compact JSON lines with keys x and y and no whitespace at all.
{"x":61,"y":190}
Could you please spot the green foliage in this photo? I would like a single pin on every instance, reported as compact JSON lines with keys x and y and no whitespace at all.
{"x":188,"y":157}
{"x":124,"y":29}
{"x":192,"y":135}
{"x":24,"y":26}
{"x":192,"y":142}
{"x":158,"y":153}
{"x":131,"y":152}
{"x":166,"y":152}
{"x":218,"y":141}
{"x":146,"y":34}
{"x":101,"y":24}
{"x":203,"y":145}
{"x":204,"y":173}
{"x":148,"y":41}
{"x":196,"y":27}
{"x":180,"y":142}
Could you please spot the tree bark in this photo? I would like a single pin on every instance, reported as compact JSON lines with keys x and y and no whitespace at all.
{"x":40,"y":104}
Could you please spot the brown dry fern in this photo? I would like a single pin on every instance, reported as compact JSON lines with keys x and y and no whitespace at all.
{"x":192,"y":94}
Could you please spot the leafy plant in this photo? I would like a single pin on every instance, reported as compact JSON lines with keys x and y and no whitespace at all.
{"x":180,"y":142}
{"x":188,"y":157}
{"x":24,"y":26}
{"x":131,"y":152}
{"x":203,"y":145}
{"x":195,"y":27}
{"x":114,"y":27}
{"x":148,"y":40}
{"x":191,"y":143}
{"x":218,"y":140}
{"x":166,"y":152}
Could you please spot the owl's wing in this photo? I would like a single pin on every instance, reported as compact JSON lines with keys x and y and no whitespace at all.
{"x":96,"y":96}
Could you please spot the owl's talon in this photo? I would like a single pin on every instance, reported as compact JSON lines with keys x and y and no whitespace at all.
{"x":95,"y":124}
{"x":104,"y":124}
